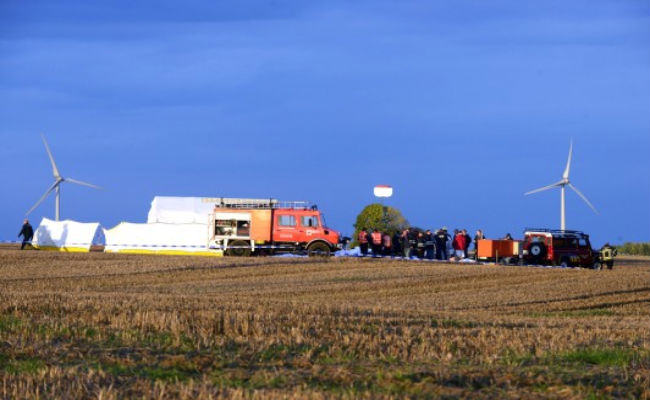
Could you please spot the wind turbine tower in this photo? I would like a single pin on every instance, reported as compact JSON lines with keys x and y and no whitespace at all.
{"x":562,"y":185}
{"x":56,"y":186}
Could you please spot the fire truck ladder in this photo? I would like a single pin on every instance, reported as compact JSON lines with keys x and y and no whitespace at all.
{"x":238,"y":203}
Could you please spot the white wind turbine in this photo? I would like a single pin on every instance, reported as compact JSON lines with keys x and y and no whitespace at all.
{"x":564,"y":182}
{"x":58,"y":179}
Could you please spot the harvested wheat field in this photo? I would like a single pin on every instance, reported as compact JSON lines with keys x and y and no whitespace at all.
{"x":124,"y":326}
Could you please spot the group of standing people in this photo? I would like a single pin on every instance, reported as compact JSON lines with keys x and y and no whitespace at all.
{"x":409,"y":243}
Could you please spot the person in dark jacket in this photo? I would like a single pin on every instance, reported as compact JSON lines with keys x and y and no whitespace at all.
{"x":429,"y":245}
{"x":27,"y":232}
{"x":441,"y":244}
{"x":406,"y":245}
{"x":413,"y":242}
{"x":397,"y":245}
{"x":363,"y":241}
{"x":478,"y":236}
{"x":420,"y":244}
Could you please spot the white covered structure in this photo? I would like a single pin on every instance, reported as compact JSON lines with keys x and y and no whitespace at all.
{"x":181,"y":210}
{"x":161,"y":238}
{"x":69,"y":236}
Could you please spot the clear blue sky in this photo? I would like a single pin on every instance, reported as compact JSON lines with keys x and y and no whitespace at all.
{"x":462,"y":106}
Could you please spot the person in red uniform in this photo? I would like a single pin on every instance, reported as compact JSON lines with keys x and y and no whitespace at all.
{"x":459,"y":244}
{"x":375,"y":237}
{"x":363,"y":241}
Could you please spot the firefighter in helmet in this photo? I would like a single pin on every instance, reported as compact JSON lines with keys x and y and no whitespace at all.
{"x":607,"y":254}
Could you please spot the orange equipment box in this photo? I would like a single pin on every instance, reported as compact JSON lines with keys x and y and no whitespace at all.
{"x":489,"y":248}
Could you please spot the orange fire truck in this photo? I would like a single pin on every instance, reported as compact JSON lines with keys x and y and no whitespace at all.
{"x":242,"y":227}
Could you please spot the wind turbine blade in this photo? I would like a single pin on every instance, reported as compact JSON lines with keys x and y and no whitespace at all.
{"x":55,"y":170}
{"x":49,"y":190}
{"x":82,"y":183}
{"x":565,"y":175}
{"x":544,"y":188}
{"x":583,"y":197}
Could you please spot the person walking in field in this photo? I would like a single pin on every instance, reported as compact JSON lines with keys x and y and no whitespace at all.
{"x":27,"y":232}
{"x":363,"y":241}
{"x":375,"y":237}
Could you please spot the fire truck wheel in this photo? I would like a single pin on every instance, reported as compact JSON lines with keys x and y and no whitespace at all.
{"x":597,"y":266}
{"x":239,"y":248}
{"x":565,"y":263}
{"x":318,"y":249}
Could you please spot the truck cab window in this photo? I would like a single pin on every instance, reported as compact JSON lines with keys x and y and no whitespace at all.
{"x":286,"y":220}
{"x":309,"y":221}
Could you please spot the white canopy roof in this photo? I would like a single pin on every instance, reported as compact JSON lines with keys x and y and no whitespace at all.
{"x":181,"y":210}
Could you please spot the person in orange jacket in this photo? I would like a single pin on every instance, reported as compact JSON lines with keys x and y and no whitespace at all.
{"x":363,"y":241}
{"x":376,"y":237}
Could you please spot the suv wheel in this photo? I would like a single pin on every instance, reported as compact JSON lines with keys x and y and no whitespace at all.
{"x":537,"y":252}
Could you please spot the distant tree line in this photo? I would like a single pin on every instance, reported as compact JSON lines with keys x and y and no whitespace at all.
{"x":634,"y":249}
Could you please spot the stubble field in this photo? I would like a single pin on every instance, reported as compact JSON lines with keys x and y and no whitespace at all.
{"x":123,"y":326}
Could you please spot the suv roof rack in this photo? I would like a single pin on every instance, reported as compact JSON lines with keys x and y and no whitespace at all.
{"x":555,"y":231}
{"x":229,"y":202}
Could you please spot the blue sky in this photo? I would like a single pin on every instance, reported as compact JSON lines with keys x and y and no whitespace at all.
{"x":461,"y":106}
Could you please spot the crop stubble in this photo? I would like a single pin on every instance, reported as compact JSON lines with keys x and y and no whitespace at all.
{"x":111,"y":326}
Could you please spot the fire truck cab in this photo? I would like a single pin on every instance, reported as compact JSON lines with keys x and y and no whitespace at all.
{"x":242,"y":227}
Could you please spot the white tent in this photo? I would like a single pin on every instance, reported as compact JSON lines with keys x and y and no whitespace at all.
{"x":69,"y":236}
{"x":159,"y":238}
{"x":181,"y":210}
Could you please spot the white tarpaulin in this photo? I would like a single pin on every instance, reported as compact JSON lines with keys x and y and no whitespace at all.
{"x":68,"y":236}
{"x":160,"y":238}
{"x":181,"y":210}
